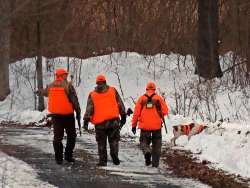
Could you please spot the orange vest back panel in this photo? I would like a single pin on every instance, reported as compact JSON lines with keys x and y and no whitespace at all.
{"x":58,"y":102}
{"x":105,"y":106}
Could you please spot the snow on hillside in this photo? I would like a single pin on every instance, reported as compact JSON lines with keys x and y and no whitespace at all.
{"x":227,"y":146}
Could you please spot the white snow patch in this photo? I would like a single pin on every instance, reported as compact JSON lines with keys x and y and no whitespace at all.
{"x":16,"y":173}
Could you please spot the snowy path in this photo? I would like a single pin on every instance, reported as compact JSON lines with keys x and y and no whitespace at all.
{"x":33,"y":146}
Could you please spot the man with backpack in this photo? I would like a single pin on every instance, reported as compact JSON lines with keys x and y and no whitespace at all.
{"x":150,"y":110}
{"x":104,"y":106}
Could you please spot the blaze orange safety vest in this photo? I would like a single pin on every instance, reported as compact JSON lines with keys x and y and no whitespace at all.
{"x":105,"y":106}
{"x":58,"y":102}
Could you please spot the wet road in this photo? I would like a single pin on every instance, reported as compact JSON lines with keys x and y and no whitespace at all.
{"x":33,"y":146}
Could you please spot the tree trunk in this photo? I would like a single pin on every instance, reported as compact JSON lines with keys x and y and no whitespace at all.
{"x":248,"y":42}
{"x":4,"y":50}
{"x":4,"y":75}
{"x":109,"y":13}
{"x":207,"y":54}
{"x":39,"y":66}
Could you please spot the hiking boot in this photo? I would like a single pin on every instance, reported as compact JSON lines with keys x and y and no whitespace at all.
{"x":59,"y":162}
{"x":155,"y":166}
{"x":101,"y":164}
{"x":115,"y":159}
{"x":148,"y":159}
{"x":70,"y":160}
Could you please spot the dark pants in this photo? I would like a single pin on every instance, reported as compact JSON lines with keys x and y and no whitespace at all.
{"x":154,"y":137}
{"x":61,"y":122}
{"x":107,"y":130}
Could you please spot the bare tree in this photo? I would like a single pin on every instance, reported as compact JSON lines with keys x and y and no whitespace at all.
{"x":248,"y":40}
{"x":83,"y":28}
{"x":39,"y":67}
{"x":5,"y":10}
{"x":207,"y":53}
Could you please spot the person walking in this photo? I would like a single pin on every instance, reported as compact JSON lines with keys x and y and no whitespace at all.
{"x":104,"y":106}
{"x":150,"y":110}
{"x":62,"y":102}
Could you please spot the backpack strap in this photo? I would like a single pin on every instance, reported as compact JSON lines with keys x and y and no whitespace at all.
{"x":149,"y":97}
{"x":143,"y":103}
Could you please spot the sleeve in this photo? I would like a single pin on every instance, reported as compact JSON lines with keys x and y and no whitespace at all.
{"x":137,"y":112}
{"x":74,"y":99}
{"x":89,"y":109}
{"x":45,"y":92}
{"x":122,"y":109}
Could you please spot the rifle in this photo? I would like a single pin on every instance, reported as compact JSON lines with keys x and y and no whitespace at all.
{"x":158,"y":108}
{"x":78,"y":112}
{"x":79,"y":124}
{"x":164,"y":123}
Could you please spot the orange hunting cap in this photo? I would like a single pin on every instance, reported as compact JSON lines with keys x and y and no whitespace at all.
{"x":151,"y":86}
{"x":60,"y":72}
{"x":100,"y":78}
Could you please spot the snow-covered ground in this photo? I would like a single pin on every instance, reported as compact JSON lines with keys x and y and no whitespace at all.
{"x":226,"y":146}
{"x":132,"y":166}
{"x":16,"y":173}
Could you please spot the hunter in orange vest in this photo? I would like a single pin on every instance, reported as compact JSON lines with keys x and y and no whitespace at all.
{"x":104,"y":109}
{"x":62,"y":102}
{"x":149,"y":111}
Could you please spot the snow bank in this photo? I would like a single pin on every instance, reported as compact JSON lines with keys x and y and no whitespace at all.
{"x":226,"y":147}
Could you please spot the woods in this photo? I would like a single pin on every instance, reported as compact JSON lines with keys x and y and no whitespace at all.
{"x":87,"y":28}
{"x":51,"y":28}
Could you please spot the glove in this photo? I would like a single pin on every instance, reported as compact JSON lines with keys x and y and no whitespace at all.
{"x":134,"y":130}
{"x":123,"y":120}
{"x":129,"y":111}
{"x":37,"y":92}
{"x":86,"y":125}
